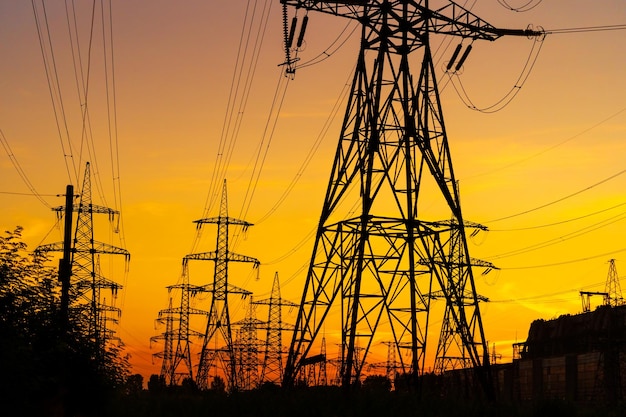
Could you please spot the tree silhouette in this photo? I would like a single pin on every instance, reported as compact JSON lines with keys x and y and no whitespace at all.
{"x":48,"y":373}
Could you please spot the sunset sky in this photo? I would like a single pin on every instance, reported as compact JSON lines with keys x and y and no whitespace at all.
{"x":545,"y":171}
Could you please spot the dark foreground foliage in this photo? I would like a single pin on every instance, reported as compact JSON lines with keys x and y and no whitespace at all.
{"x":43,"y":373}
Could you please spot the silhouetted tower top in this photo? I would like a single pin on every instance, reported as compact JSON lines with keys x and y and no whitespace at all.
{"x":613,"y":287}
{"x":217,"y":347}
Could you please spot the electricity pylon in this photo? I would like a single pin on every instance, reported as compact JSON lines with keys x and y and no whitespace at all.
{"x":452,"y":349}
{"x":375,"y":258}
{"x":217,"y":346}
{"x":86,"y":280}
{"x":272,"y":367}
{"x":247,"y":349}
{"x":613,"y":287}
{"x":166,"y":317}
{"x":177,"y":340}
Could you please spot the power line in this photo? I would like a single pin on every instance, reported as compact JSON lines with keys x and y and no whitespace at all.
{"x":20,"y":171}
{"x":558,"y":223}
{"x":240,"y":87}
{"x":585,"y":29}
{"x":560,"y":199}
{"x":510,"y":95}
{"x":556,"y":145}
{"x":571,"y":261}
{"x":54,"y":87}
{"x":563,"y":238}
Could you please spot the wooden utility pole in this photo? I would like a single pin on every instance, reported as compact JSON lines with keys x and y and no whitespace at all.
{"x":65,"y":264}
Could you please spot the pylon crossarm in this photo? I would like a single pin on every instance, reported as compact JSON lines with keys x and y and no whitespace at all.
{"x":101,"y":247}
{"x":412,"y":16}
{"x":227,"y":220}
{"x":98,"y":247}
{"x":50,"y":247}
{"x":214,"y":255}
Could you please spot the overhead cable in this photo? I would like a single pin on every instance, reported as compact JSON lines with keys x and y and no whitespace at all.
{"x":20,"y":171}
{"x":560,"y":199}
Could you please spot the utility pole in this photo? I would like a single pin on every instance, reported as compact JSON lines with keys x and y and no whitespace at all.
{"x":65,"y":270}
{"x":377,"y":265}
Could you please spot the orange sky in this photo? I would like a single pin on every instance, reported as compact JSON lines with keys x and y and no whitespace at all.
{"x":554,"y":153}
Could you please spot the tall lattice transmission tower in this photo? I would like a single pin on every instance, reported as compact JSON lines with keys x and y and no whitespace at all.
{"x":273,"y":352}
{"x":88,"y":286}
{"x":217,"y":346}
{"x":380,"y":248}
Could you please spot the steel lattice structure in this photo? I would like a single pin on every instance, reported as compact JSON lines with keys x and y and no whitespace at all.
{"x":177,"y":339}
{"x":273,"y":352}
{"x":379,"y":262}
{"x":217,"y":346}
{"x":87,"y":282}
{"x":246,"y":347}
{"x":613,"y":287}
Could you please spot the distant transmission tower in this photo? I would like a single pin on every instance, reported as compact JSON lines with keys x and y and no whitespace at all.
{"x":247,"y":347}
{"x":87,"y":281}
{"x":376,"y":259}
{"x":613,"y":287}
{"x":177,"y":339}
{"x":217,"y":346}
{"x":272,"y":367}
{"x":167,"y":354}
{"x":452,"y":349}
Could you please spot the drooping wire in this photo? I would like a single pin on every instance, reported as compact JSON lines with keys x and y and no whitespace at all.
{"x":266,"y":141}
{"x":586,"y":258}
{"x":328,"y":52}
{"x":517,"y":229}
{"x":83,"y":83}
{"x":510,"y":95}
{"x":230,"y":117}
{"x":312,"y":151}
{"x":529,"y":5}
{"x":606,"y":119}
{"x":559,"y":199}
{"x":112,"y":119}
{"x":604,"y":28}
{"x":20,"y":171}
{"x":112,"y":129}
{"x":243,"y":77}
{"x":560,"y":239}
{"x":54,"y":89}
